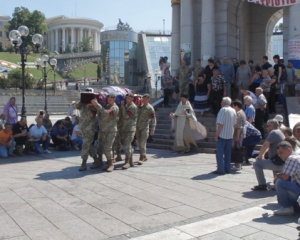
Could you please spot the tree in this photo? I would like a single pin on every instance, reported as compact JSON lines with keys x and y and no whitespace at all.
{"x":68,"y":49}
{"x":86,"y":44}
{"x":14,"y":77}
{"x":98,"y":71}
{"x":279,"y":27}
{"x":35,"y":21}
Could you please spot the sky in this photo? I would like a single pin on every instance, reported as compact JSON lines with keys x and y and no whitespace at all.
{"x":140,"y":14}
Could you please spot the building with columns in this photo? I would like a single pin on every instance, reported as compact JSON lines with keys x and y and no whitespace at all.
{"x":234,"y":28}
{"x":4,"y":41}
{"x":64,"y":31}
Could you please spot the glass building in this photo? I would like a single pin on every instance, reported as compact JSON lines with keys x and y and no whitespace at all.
{"x":277,"y":39}
{"x":119,"y":57}
{"x":159,"y":46}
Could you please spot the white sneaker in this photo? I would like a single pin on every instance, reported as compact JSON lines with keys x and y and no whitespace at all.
{"x":47,"y":151}
{"x":284,"y":211}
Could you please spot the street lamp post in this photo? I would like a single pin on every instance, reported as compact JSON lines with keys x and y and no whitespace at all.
{"x":42,"y":63}
{"x":158,"y":75}
{"x":17,"y":38}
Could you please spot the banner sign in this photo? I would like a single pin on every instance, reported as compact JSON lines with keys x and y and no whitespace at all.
{"x":275,"y":3}
{"x":294,"y":49}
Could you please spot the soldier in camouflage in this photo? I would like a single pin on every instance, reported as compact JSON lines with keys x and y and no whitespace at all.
{"x":87,"y":125}
{"x":129,"y":114}
{"x":146,"y":113}
{"x":183,"y":74}
{"x":108,"y":118}
{"x":117,"y":143}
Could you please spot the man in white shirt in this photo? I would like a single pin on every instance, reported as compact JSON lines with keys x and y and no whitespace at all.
{"x":73,"y":112}
{"x":77,"y":136}
{"x":279,"y":119}
{"x":226,"y":120}
{"x":40,"y":135}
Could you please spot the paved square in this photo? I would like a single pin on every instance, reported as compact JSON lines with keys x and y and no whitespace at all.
{"x":171,"y":196}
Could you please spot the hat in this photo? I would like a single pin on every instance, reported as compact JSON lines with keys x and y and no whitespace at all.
{"x":129,"y":95}
{"x":184,"y":96}
{"x":89,"y":90}
{"x":278,"y":118}
{"x":146,"y":95}
{"x":111,"y":95}
{"x":73,"y":102}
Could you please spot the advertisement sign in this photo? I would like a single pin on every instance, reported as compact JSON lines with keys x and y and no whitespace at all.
{"x":294,"y":49}
{"x":275,"y":3}
{"x":186,"y":53}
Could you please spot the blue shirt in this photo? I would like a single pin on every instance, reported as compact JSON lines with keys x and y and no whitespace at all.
{"x":56,"y":131}
{"x":250,"y":112}
{"x":227,"y":71}
{"x":251,"y":130}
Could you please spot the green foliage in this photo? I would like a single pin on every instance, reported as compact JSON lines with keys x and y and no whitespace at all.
{"x":68,"y":49}
{"x":86,"y":44}
{"x":35,"y":21}
{"x":46,"y":51}
{"x":15,"y":79}
{"x":10,"y":49}
{"x":3,"y":82}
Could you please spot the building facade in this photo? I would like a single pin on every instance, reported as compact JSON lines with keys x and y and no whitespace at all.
{"x":4,"y":41}
{"x":69,"y":31}
{"x":233,"y":28}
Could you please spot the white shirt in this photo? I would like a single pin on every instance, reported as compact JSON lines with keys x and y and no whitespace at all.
{"x":163,"y":68}
{"x":227,"y":118}
{"x":75,"y":129}
{"x":35,"y":132}
{"x":73,"y":111}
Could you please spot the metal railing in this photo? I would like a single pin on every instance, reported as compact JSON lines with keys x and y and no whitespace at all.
{"x":78,"y":55}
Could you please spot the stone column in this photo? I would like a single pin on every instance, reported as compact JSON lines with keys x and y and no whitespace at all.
{"x":67,"y":37}
{"x":72,"y":38}
{"x":186,"y":27}
{"x":63,"y":39}
{"x":175,"y":57}
{"x":81,"y":34}
{"x":208,"y":45}
{"x":294,"y":28}
{"x":95,"y":41}
{"x":286,"y":20}
{"x":56,"y":40}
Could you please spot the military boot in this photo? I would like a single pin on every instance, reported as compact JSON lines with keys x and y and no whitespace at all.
{"x":131,"y":162}
{"x":143,"y":159}
{"x":126,"y":165}
{"x":119,"y":157}
{"x":96,"y":163}
{"x":110,"y":166}
{"x":83,"y":166}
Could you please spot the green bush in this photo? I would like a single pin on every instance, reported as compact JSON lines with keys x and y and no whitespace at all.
{"x":3,"y":83}
{"x":15,"y":79}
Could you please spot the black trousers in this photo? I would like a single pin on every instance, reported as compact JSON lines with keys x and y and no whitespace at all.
{"x":272,"y":100}
{"x":192,"y":93}
{"x":259,"y":121}
{"x":167,"y":94}
{"x":215,"y":100}
{"x":59,"y":142}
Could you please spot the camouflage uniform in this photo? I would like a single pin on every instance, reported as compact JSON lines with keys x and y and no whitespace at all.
{"x":184,"y":74}
{"x":108,"y":118}
{"x":129,"y":114}
{"x":117,"y":143}
{"x":145,"y":114}
{"x":197,"y":72}
{"x":87,"y":126}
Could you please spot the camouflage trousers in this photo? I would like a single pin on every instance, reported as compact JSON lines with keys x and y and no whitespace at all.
{"x":127,"y":140}
{"x":105,"y":143}
{"x":87,"y":146}
{"x":117,"y":142}
{"x":184,"y":88}
{"x":142,"y":136}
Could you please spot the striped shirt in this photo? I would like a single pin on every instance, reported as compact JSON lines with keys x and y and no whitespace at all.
{"x":292,"y":168}
{"x":227,"y":118}
{"x":261,"y":101}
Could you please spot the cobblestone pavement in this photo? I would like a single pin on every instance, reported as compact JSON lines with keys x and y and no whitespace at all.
{"x":171,"y":196}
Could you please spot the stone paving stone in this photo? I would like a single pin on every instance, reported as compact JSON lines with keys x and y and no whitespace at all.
{"x":139,"y":206}
{"x":263,"y":235}
{"x":187,"y":211}
{"x":107,"y":224}
{"x":167,"y":217}
{"x":10,"y":197}
{"x":207,"y":226}
{"x":8,"y":228}
{"x":156,"y":200}
{"x":241,"y":231}
{"x":20,"y":238}
{"x":147,"y":225}
{"x":274,"y":228}
{"x":28,"y":193}
{"x":218,"y":235}
{"x":172,"y":233}
{"x":47,"y":234}
{"x":120,"y":212}
{"x":248,"y":215}
{"x":78,"y":229}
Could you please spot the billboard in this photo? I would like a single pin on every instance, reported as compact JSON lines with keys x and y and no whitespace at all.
{"x":275,"y":3}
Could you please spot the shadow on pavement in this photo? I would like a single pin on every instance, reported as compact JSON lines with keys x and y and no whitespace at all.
{"x":258,"y":194}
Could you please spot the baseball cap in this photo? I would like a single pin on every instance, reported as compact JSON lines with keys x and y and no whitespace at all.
{"x":278,"y":118}
{"x":129,"y":95}
{"x":111,"y":95}
{"x":146,"y":95}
